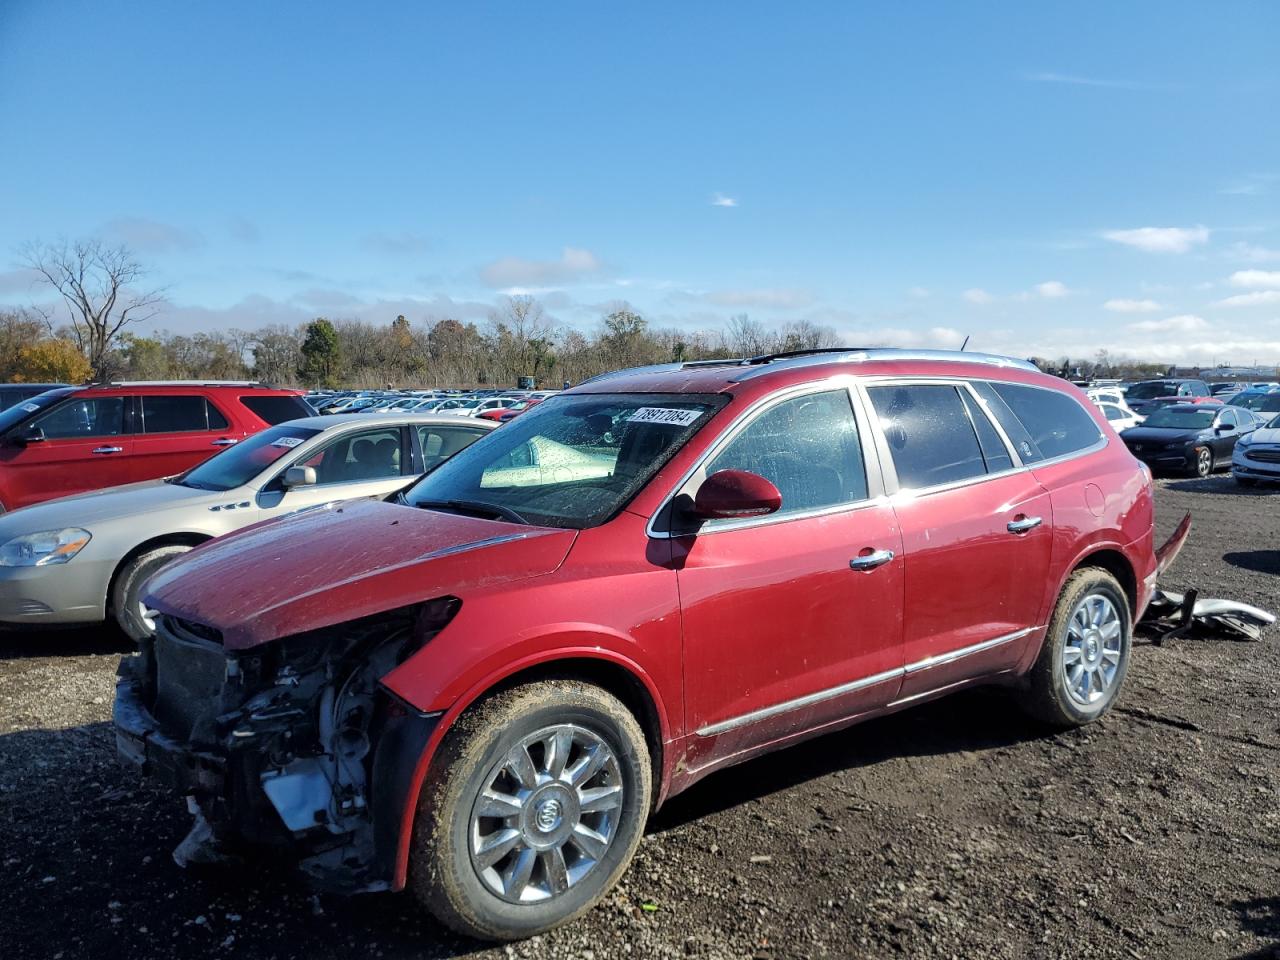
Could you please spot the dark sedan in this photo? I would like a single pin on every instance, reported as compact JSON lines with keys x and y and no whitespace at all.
{"x":1195,"y":438}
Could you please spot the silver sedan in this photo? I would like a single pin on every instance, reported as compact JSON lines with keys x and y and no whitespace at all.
{"x":81,"y":559}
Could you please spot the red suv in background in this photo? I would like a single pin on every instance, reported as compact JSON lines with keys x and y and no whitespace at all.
{"x":73,"y":439}
{"x":646,"y":578}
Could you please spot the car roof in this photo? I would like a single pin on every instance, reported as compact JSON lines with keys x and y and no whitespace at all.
{"x":244,"y":387}
{"x":778,"y":370}
{"x":385,"y":419}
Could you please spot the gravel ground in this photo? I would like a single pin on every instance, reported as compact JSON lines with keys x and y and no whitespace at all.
{"x":954,"y":830}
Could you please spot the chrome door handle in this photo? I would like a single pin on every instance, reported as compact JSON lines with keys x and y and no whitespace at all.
{"x":870,"y":561}
{"x":1025,"y":524}
{"x":108,"y":449}
{"x":225,"y":443}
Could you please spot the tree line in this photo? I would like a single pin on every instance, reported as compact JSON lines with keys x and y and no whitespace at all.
{"x":101,"y":288}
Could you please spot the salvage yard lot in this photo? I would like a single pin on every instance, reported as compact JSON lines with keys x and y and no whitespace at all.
{"x":956,"y":829}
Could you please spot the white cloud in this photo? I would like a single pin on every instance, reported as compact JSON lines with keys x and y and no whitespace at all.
{"x":772,"y":299}
{"x":1254,"y":279}
{"x":1160,"y":239}
{"x":150,"y":236}
{"x":946,"y":337}
{"x":977,"y":295}
{"x":1052,"y":289}
{"x":918,"y":293}
{"x":1183,"y":323}
{"x":720,"y":200}
{"x":1075,"y":80}
{"x":1257,"y":299}
{"x":1126,"y":305}
{"x":574,"y":264}
{"x":1254,"y":254}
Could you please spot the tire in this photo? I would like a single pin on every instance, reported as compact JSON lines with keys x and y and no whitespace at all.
{"x":444,"y":875}
{"x":126,"y":606}
{"x":1203,"y":465}
{"x":1053,"y":693}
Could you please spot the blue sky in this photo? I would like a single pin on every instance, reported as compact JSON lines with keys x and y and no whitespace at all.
{"x":1048,"y":179}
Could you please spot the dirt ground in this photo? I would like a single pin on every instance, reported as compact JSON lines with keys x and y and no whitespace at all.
{"x":955,"y":830}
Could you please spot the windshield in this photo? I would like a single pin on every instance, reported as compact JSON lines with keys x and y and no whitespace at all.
{"x":1151,"y":389}
{"x":1181,"y":419}
{"x":572,"y":462}
{"x":236,"y":466}
{"x":1259,"y":402}
{"x":19,"y":412}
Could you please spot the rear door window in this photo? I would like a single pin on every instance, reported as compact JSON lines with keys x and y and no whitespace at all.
{"x":930,"y":435}
{"x":1057,"y":423}
{"x":162,"y":414}
{"x":440,"y":443}
{"x":807,"y":447}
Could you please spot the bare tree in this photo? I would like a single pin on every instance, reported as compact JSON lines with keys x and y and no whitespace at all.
{"x":96,"y":281}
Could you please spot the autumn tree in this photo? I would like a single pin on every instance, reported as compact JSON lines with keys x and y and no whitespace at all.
{"x":98,"y":284}
{"x":52,"y":360}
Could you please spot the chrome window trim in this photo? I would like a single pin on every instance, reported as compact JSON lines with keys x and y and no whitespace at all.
{"x":889,"y":469}
{"x":870,"y":460}
{"x":820,"y":696}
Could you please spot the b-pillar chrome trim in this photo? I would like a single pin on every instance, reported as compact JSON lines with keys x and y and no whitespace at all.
{"x":799,"y":703}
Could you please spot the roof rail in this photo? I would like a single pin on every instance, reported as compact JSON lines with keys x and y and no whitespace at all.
{"x":182,"y":383}
{"x":804,"y":358}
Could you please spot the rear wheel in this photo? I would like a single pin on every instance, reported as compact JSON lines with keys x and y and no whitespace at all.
{"x":1085,"y":656}
{"x":1203,"y":463}
{"x":126,"y":601}
{"x":533,"y":810}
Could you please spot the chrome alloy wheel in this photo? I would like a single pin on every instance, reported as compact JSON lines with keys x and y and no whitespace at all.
{"x":547,"y":814}
{"x":1204,"y":462}
{"x":1091,"y":655}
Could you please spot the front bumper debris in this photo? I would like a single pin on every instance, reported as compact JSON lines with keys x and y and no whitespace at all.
{"x":317,"y":760}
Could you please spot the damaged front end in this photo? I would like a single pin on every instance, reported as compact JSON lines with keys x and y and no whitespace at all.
{"x":290,"y":744}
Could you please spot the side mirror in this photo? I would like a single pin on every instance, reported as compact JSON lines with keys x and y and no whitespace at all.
{"x":300,"y":477}
{"x":1224,"y":428}
{"x":734,"y":494}
{"x":30,"y":435}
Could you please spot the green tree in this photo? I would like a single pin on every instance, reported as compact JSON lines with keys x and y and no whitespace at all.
{"x":320,"y":354}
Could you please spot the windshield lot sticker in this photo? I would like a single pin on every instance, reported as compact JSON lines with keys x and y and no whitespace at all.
{"x":675,"y":418}
{"x":31,"y":407}
{"x":287,"y":442}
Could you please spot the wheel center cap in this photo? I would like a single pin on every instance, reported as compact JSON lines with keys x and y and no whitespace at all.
{"x":548,"y":814}
{"x":1092,"y":646}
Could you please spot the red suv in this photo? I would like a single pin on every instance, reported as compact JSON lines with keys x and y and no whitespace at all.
{"x":647,"y":578}
{"x":73,"y":439}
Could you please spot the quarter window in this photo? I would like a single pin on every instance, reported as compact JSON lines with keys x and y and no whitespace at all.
{"x":1057,"y":423}
{"x":807,"y":447}
{"x":929,"y":432}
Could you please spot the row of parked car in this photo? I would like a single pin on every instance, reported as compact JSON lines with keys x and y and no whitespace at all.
{"x":1190,"y":426}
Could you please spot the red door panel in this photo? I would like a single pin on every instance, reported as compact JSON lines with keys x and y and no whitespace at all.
{"x":969,"y":580}
{"x":59,"y":468}
{"x":775,"y":622}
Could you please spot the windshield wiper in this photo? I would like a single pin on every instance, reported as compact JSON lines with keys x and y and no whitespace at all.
{"x":478,"y":508}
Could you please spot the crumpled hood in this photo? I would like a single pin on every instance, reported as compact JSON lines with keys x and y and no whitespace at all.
{"x":325,"y":566}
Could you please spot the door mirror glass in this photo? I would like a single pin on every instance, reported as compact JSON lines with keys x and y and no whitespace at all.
{"x":300,"y":477}
{"x":734,"y":494}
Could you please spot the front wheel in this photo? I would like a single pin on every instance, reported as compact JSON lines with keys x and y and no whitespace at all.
{"x":126,"y":592}
{"x":532,"y":810}
{"x":1085,"y":655}
{"x":1203,"y":463}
